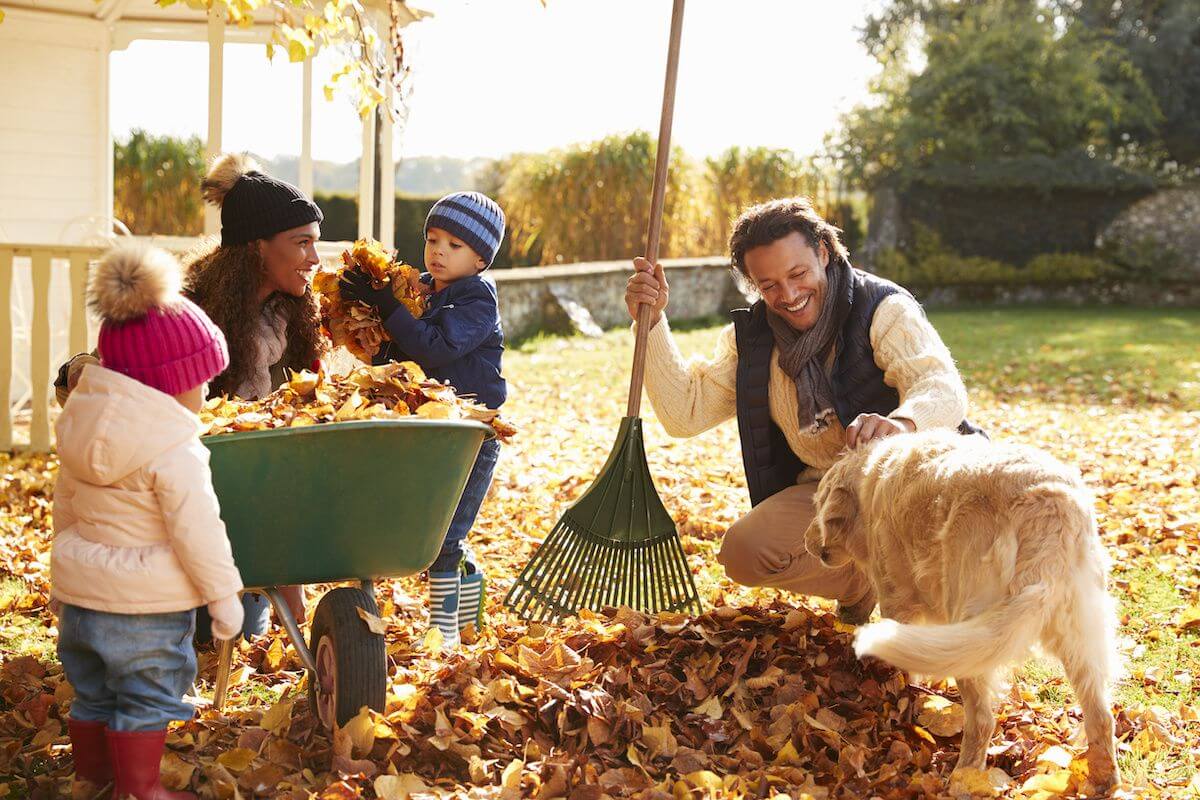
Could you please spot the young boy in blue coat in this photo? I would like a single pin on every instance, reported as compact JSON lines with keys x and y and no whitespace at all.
{"x":458,"y":339}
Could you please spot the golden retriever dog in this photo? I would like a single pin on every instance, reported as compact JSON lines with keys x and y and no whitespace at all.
{"x":978,"y":551}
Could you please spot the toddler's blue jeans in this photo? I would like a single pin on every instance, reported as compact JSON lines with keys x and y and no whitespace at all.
{"x":455,"y":550}
{"x":129,"y":671}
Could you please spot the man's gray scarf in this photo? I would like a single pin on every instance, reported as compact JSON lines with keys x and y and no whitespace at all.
{"x":803,"y":354}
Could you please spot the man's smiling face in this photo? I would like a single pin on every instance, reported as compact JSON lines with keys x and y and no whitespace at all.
{"x":790,"y":276}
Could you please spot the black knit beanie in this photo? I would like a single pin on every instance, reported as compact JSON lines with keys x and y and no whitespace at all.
{"x":255,"y":205}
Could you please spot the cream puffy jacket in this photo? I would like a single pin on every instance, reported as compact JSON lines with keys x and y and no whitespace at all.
{"x":137,"y":526}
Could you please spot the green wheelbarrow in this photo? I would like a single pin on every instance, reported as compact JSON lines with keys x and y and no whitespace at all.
{"x":348,"y":501}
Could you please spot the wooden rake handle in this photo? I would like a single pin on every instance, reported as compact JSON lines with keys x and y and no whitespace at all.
{"x":656,"y":205}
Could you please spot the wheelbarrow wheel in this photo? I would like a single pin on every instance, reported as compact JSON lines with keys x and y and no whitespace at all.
{"x":351,"y":660}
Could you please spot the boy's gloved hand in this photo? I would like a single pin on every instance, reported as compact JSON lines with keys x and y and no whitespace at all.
{"x":356,"y":285}
{"x":227,"y":617}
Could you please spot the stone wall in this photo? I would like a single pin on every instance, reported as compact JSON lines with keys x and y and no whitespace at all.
{"x":1160,"y":233}
{"x":591,"y":296}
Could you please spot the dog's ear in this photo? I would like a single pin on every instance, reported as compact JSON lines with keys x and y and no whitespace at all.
{"x":838,"y":513}
{"x":827,"y":535}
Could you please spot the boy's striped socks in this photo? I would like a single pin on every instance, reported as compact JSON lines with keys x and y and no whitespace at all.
{"x":444,"y":606}
{"x":470,"y":601}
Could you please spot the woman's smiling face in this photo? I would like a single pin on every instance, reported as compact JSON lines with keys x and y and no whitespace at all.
{"x":790,"y":276}
{"x":290,"y":258}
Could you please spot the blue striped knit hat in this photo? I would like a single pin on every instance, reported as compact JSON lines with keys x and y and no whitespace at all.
{"x":473,"y":217}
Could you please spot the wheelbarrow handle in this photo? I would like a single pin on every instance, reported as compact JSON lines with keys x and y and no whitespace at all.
{"x":658,"y":196}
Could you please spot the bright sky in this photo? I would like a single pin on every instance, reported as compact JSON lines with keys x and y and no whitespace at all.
{"x":497,"y":76}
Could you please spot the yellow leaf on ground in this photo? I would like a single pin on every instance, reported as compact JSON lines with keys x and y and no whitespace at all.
{"x":940,"y":716}
{"x":924,"y":734}
{"x":237,"y":759}
{"x":273,"y":658}
{"x":659,"y":741}
{"x":277,"y":717}
{"x":399,"y":787}
{"x":510,"y":780}
{"x":361,"y":730}
{"x":1057,"y":756}
{"x":788,"y":755}
{"x":1053,"y":782}
{"x":176,"y":773}
{"x":973,"y":782}
{"x":704,"y":779}
{"x":711,"y":708}
{"x":1189,"y":618}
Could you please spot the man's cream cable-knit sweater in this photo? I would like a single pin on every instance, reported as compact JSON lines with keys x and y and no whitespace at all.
{"x":691,"y":397}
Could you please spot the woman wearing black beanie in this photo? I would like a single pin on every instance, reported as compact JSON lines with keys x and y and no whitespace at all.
{"x":255,"y":282}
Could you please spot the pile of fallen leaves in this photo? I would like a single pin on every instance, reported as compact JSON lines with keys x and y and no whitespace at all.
{"x":352,"y":324}
{"x":755,"y":701}
{"x":390,"y":391}
{"x":760,"y":697}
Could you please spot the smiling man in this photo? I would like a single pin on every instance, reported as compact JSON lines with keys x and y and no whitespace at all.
{"x":829,"y":357}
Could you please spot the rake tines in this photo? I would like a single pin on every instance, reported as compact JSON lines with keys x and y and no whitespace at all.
{"x":616,"y":546}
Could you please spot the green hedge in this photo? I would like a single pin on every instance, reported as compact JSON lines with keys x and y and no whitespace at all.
{"x":931,"y":263}
{"x":341,"y":224}
{"x":1014,"y":225}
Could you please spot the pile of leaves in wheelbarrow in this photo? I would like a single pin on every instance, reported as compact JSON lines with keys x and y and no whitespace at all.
{"x":356,"y":326}
{"x":390,"y":391}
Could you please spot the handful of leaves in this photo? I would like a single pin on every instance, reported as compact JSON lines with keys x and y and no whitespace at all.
{"x":390,"y":391}
{"x":356,"y":326}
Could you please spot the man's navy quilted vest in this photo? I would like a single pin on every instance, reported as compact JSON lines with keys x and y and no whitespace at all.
{"x":858,"y":386}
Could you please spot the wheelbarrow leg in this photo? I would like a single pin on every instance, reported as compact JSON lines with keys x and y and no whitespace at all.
{"x":284,"y":612}
{"x":224,"y":664}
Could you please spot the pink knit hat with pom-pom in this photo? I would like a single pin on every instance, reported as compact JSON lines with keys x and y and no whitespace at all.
{"x":149,"y":331}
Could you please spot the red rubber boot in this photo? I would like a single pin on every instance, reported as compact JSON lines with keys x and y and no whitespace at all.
{"x":135,"y":759}
{"x":90,"y":751}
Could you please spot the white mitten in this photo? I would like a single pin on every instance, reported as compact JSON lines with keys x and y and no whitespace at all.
{"x":227,"y":617}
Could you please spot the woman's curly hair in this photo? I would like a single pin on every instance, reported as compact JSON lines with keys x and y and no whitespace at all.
{"x":224,"y":281}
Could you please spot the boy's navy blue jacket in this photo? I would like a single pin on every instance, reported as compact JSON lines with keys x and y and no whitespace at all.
{"x":458,"y":339}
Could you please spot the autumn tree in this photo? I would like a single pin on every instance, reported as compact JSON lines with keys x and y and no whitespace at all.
{"x":1000,"y":81}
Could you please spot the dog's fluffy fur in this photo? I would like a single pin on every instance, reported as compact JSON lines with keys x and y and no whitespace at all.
{"x":977,"y":551}
{"x":131,"y":279}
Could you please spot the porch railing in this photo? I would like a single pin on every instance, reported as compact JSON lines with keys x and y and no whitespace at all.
{"x":25,"y":325}
{"x":37,"y":332}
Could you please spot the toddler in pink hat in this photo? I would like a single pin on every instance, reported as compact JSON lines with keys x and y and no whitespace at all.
{"x":138,"y":537}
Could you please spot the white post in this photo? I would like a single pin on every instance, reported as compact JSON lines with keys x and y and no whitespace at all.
{"x":306,"y":163}
{"x":387,"y":178}
{"x":216,"y":75}
{"x":366,"y":178}
{"x":104,"y":199}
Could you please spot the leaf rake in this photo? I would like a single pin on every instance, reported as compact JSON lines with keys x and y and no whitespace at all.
{"x":617,"y":545}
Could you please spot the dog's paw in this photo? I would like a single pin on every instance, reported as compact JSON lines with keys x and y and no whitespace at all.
{"x":1102,"y":779}
{"x":869,"y":637}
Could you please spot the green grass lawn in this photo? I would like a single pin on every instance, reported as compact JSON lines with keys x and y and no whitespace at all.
{"x":1090,"y":355}
{"x":1094,"y":355}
